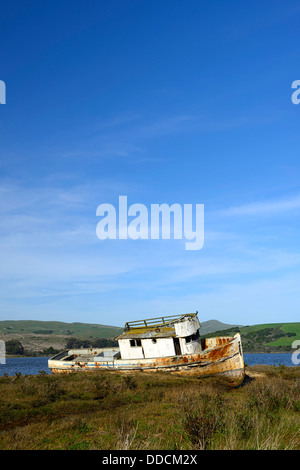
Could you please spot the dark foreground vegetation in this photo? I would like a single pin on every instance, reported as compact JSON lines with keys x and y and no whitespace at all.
{"x":109,"y":411}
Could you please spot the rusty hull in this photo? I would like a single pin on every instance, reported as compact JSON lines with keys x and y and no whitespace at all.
{"x":221,"y":355}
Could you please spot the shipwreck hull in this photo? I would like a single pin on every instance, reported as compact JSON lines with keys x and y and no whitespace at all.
{"x":221,"y":355}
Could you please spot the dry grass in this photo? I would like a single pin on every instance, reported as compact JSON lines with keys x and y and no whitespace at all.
{"x":150,"y":412}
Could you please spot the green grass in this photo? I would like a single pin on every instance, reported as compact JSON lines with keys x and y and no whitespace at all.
{"x":288,"y":328}
{"x":109,"y":411}
{"x":291,"y":328}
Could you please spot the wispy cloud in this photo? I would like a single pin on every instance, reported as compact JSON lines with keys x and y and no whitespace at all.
{"x":264,"y":207}
{"x":128,"y":135}
{"x":145,"y":127}
{"x":52,"y":257}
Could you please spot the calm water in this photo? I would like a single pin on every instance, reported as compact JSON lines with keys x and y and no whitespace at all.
{"x":274,"y":359}
{"x":25,"y":365}
{"x":34,"y":365}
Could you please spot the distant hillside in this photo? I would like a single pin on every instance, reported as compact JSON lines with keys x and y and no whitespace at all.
{"x":47,"y":337}
{"x":211,"y":326}
{"x":268,"y":337}
{"x":83,"y":330}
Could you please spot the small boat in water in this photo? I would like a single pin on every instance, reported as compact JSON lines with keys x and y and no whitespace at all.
{"x":168,"y":343}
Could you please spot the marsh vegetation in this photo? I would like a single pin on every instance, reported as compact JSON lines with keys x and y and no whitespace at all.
{"x":110,"y":411}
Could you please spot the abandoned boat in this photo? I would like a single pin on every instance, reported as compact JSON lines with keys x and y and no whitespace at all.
{"x":168,"y":343}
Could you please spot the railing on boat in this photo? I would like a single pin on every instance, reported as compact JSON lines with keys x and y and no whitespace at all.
{"x":156,"y":322}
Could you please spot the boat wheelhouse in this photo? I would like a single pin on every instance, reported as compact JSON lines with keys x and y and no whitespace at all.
{"x":160,"y":337}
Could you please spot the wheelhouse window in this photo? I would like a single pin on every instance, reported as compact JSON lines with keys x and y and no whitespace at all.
{"x":135,"y":343}
{"x":194,"y":337}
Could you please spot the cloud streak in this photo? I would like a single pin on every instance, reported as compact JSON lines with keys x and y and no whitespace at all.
{"x":264,"y":207}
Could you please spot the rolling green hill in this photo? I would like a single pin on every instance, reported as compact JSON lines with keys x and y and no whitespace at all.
{"x":268,"y":337}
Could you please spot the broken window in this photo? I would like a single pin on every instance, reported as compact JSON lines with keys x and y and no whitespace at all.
{"x":193,"y":337}
{"x":135,"y":343}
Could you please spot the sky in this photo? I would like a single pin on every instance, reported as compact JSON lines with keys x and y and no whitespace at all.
{"x":162,"y":102}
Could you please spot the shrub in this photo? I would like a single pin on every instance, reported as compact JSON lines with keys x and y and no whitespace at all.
{"x":202,"y":421}
{"x":14,"y":347}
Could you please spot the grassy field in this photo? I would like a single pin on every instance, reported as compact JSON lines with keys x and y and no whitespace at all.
{"x":158,"y":411}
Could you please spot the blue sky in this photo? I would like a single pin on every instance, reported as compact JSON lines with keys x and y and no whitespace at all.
{"x":165,"y":102}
